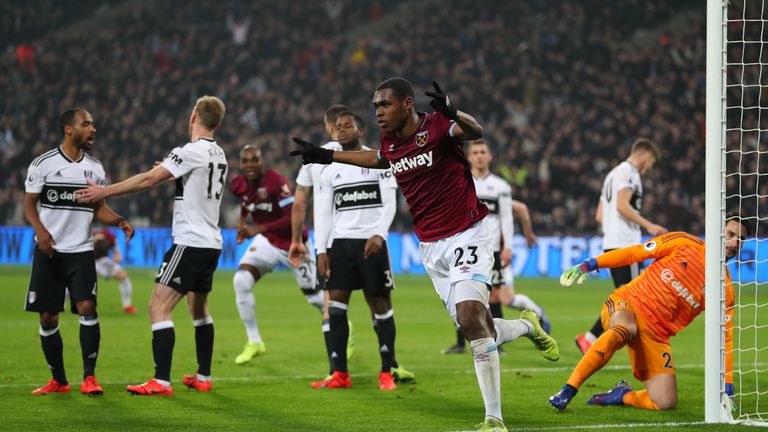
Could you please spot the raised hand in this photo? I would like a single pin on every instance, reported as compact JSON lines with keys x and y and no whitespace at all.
{"x":441,"y":103}
{"x":311,"y":153}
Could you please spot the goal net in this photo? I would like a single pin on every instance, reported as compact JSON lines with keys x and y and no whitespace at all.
{"x":737,"y":141}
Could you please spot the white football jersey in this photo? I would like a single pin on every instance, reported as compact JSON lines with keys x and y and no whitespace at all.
{"x":496,"y":194}
{"x":309,"y":176}
{"x":200,"y":169}
{"x":618,"y":231}
{"x":56,"y":177}
{"x":358,"y":197}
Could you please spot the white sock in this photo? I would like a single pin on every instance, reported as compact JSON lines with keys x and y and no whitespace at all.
{"x":315,"y":299}
{"x":522,"y":301}
{"x":126,"y":291}
{"x":488,"y":372}
{"x":243,"y":282}
{"x":163,"y":382}
{"x":590,"y":337}
{"x":203,"y":378}
{"x":509,"y":330}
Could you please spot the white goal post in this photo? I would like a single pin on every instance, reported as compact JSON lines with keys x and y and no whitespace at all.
{"x":736,"y":140}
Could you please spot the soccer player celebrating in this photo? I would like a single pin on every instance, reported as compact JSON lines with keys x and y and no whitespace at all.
{"x":355,"y":208}
{"x":644,"y":314}
{"x":265,"y":195}
{"x":109,"y":267}
{"x":425,"y":152}
{"x":619,"y":214}
{"x":199,"y":169}
{"x":64,"y":258}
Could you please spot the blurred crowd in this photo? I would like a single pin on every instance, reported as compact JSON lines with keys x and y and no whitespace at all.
{"x":562,"y":88}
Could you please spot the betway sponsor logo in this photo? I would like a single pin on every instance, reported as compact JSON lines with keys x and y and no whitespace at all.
{"x":354,"y":197}
{"x":408,"y":163}
{"x":668,"y":276}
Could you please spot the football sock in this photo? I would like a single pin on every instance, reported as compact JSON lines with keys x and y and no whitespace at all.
{"x":639,"y":399}
{"x":522,"y":301}
{"x":90,"y":336}
{"x":386,"y":334}
{"x":163,"y":339}
{"x":496,"y":310}
{"x":126,"y":291}
{"x":596,"y":331}
{"x":599,"y":354}
{"x":339,"y":335}
{"x":53,"y":349}
{"x":315,"y":299}
{"x":243,"y":282}
{"x":328,"y":349}
{"x":509,"y":330}
{"x":204,"y":344}
{"x":488,"y":372}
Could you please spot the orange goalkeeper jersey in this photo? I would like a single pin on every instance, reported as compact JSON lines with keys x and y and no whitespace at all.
{"x":669,"y":294}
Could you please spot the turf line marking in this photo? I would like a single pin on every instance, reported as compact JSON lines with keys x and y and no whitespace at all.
{"x":257,"y":378}
{"x":603,"y":426}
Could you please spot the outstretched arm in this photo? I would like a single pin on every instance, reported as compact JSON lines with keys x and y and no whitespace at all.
{"x":137,"y":183}
{"x":310,"y":153}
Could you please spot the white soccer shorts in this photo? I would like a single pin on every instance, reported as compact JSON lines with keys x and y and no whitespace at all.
{"x":106,"y":267}
{"x":467,"y":255}
{"x":265,"y":257}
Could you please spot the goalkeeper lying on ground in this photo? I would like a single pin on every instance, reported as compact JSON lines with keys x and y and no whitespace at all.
{"x":647,"y":312}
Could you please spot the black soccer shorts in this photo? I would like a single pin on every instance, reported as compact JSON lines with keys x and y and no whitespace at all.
{"x":187,"y":268}
{"x":52,"y":276}
{"x":350,"y":271}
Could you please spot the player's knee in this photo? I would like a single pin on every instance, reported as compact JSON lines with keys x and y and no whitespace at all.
{"x":49,"y":320}
{"x":665,"y":402}
{"x":86,"y":307}
{"x":121,"y":275}
{"x":243,"y":282}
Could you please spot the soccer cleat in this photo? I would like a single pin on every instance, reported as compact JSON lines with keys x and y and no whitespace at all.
{"x":150,"y":388}
{"x":402,"y":374}
{"x":613,"y":397}
{"x":192,"y":382}
{"x":251,"y":350}
{"x":455,"y":349}
{"x":386,"y":382}
{"x":53,"y":386}
{"x":561,"y":399}
{"x":351,"y":341}
{"x":582,"y":343}
{"x":130,"y":310}
{"x":540,"y":338}
{"x":491,"y":425}
{"x":337,"y":380}
{"x":91,"y":387}
{"x":545,"y":323}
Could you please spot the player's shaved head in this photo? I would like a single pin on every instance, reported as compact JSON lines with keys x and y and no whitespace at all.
{"x":355,"y":118}
{"x":67,"y":118}
{"x":401,"y":87}
{"x":250,"y":147}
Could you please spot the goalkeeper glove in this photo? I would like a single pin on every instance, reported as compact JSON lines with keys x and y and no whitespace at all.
{"x":441,"y":103}
{"x":311,"y":153}
{"x":578,"y":273}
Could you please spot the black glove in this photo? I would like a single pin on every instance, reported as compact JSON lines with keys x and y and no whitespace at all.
{"x":441,"y":103}
{"x":311,"y":153}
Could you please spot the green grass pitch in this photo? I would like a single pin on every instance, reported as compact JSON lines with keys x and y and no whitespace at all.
{"x":272,"y":393}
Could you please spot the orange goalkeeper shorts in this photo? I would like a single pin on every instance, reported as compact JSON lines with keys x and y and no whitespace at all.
{"x":649,"y":354}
